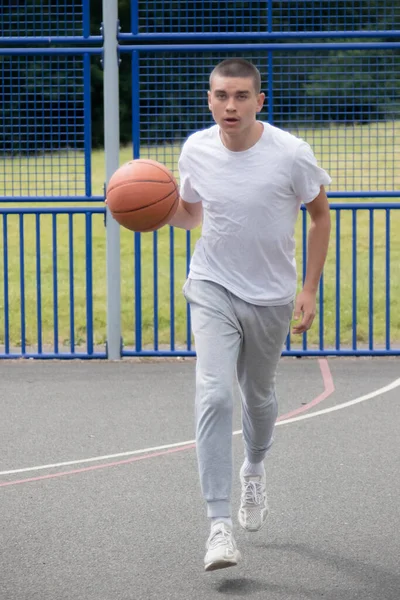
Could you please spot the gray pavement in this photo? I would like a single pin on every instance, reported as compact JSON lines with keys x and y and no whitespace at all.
{"x":133,"y":527}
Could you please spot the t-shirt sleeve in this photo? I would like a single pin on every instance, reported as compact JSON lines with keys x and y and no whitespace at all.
{"x":307,"y":176}
{"x":187,"y":193}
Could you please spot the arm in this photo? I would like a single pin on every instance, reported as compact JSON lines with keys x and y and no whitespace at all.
{"x":188,"y":215}
{"x":318,"y":241}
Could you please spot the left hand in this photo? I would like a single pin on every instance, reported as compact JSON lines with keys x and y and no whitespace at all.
{"x":305,"y":306}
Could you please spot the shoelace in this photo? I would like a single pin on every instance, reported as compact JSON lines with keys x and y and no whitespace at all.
{"x":220,"y":536}
{"x":253,"y":493}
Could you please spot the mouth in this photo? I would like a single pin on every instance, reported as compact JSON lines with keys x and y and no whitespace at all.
{"x":231,"y":120}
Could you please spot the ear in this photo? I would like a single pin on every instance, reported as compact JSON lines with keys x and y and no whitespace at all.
{"x":209,"y":100}
{"x":260,"y":102}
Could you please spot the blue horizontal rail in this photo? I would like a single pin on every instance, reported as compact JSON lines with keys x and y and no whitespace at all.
{"x":369,"y":194}
{"x":51,"y":199}
{"x":328,"y":46}
{"x":362,"y":206}
{"x":55,"y":355}
{"x":255,"y":35}
{"x":205,"y":48}
{"x":49,"y":210}
{"x":295,"y":353}
{"x":48,"y":51}
{"x":201,"y":37}
{"x":93,"y":199}
{"x":54,"y":39}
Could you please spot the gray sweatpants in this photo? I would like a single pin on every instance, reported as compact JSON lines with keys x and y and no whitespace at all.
{"x":232,"y":336}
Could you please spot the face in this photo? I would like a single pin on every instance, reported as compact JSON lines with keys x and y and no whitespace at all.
{"x":234,"y":103}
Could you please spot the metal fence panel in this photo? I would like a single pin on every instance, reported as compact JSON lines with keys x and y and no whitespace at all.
{"x":358,"y":300}
{"x":349,"y":111}
{"x":53,"y":294}
{"x":335,"y":15}
{"x":287,"y":16}
{"x":43,"y":18}
{"x":46,"y":129}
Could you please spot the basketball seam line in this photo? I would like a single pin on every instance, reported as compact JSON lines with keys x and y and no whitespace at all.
{"x":140,"y":181}
{"x":121,"y":212}
{"x":157,"y":167}
{"x":165,"y":220}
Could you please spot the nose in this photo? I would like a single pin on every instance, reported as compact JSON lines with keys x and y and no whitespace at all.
{"x":230,"y":107}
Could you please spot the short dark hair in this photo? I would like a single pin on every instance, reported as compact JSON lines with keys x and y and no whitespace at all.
{"x":238,"y":67}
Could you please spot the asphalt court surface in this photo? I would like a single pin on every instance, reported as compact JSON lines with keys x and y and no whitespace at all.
{"x":100,"y":498}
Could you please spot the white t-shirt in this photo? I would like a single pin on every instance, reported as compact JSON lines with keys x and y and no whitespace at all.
{"x":251,"y":201}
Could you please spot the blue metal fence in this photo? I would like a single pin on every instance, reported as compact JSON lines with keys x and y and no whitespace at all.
{"x":288,"y":17}
{"x":53,"y":293}
{"x":358,"y":300}
{"x":45,"y":21}
{"x":53,"y":283}
{"x":340,"y":94}
{"x":350,"y":122}
{"x":49,"y":269}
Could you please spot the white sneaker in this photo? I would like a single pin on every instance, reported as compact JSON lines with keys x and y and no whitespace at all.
{"x":253,"y":509}
{"x":221,"y":548}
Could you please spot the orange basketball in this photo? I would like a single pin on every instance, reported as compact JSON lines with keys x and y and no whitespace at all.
{"x":142,"y":195}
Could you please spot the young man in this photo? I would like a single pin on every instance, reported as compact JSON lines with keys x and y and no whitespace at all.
{"x":245,"y":180}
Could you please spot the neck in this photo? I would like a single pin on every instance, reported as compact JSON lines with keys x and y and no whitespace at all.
{"x":240,"y":143}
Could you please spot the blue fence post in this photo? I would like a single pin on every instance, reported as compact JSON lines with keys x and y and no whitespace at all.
{"x":5,"y":287}
{"x":188,"y":321}
{"x":387,"y":277}
{"x":354,"y":277}
{"x":22,"y":280}
{"x":71,"y":282}
{"x":55,"y":282}
{"x":155,"y":289}
{"x":172,"y":288}
{"x":89,"y":284}
{"x":38,"y":285}
{"x":371,"y":281}
{"x":338,"y":288}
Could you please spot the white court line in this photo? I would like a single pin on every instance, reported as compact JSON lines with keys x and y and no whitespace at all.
{"x":325,"y":411}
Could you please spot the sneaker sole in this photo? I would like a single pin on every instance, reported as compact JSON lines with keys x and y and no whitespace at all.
{"x":222,"y":564}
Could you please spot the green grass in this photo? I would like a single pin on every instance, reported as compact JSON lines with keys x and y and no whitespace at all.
{"x":358,"y":158}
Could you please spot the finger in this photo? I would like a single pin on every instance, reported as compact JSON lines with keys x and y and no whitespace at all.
{"x":297,"y":312}
{"x":305,"y":323}
{"x":298,"y":329}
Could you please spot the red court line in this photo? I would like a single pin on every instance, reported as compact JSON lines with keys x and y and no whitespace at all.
{"x":103,"y":466}
{"x":329,"y":389}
